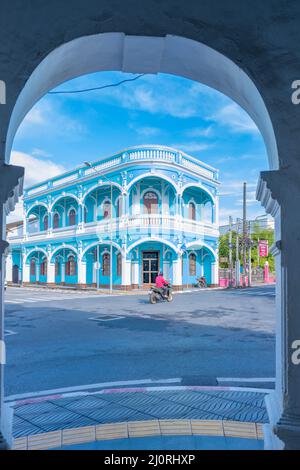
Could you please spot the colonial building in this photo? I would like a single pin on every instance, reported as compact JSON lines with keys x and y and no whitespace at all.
{"x":118,"y":221}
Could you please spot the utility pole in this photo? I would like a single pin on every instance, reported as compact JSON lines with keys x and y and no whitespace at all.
{"x":230,"y":252}
{"x":237,"y":257}
{"x":244,"y":234}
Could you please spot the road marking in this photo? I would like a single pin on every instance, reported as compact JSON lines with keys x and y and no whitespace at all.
{"x":9,"y":333}
{"x":106,"y":318}
{"x":90,"y":387}
{"x":247,"y":379}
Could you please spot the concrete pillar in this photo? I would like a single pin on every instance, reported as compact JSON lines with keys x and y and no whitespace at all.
{"x":82,"y":272}
{"x":177,"y":273}
{"x":9,"y":268}
{"x":63,"y":270}
{"x":126,"y":273}
{"x":284,"y":404}
{"x":50,"y":273}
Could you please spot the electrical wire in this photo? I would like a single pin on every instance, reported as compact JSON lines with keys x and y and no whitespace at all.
{"x":96,"y":88}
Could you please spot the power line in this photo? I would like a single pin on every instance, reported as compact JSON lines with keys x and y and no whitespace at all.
{"x":96,"y":88}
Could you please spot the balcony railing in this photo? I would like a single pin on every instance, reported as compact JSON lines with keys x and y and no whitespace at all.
{"x":144,"y":222}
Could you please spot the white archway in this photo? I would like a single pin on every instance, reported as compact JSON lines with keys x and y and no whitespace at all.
{"x":153,"y":239}
{"x":199,"y":245}
{"x":36,"y":250}
{"x":93,"y":245}
{"x":36,"y":205}
{"x":156,"y":174}
{"x":60,"y":248}
{"x":63,"y":196}
{"x":200,"y":186}
{"x":144,"y":54}
{"x":97,"y":186}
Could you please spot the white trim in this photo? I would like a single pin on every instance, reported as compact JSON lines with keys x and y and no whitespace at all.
{"x":66,"y":247}
{"x":202,"y":244}
{"x":156,"y":174}
{"x":152,"y":239}
{"x":43,"y":204}
{"x":200,"y":186}
{"x":98,"y":185}
{"x":37,"y":249}
{"x":87,"y":248}
{"x":63,"y":196}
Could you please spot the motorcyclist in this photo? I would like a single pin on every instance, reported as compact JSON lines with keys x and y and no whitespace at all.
{"x":162,"y":285}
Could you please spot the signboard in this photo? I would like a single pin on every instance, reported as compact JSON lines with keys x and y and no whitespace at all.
{"x":263,"y":248}
{"x":223,"y":259}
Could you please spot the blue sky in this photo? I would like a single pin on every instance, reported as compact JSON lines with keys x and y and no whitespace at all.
{"x":62,"y":131}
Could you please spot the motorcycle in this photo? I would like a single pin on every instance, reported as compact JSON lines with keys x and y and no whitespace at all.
{"x":201,"y":282}
{"x":155,"y":294}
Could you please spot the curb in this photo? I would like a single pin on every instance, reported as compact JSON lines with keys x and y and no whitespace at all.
{"x":132,"y":429}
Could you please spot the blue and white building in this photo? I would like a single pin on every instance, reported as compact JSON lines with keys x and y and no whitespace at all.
{"x":118,"y":222}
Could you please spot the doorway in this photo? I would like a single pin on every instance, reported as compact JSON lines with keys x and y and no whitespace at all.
{"x":150,"y":267}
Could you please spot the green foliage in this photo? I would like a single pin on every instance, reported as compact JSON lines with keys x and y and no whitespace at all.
{"x":257,"y":234}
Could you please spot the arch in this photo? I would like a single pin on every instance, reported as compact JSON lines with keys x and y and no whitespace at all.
{"x":152,"y":175}
{"x":97,"y":186}
{"x":93,"y":245}
{"x":201,"y":244}
{"x":106,"y":51}
{"x":148,"y":207}
{"x":200,"y":186}
{"x":153,"y":239}
{"x":63,"y":196}
{"x":43,"y":204}
{"x":38,"y":249}
{"x":59,"y":248}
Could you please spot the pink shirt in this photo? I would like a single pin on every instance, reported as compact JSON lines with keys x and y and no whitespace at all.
{"x":160,"y":281}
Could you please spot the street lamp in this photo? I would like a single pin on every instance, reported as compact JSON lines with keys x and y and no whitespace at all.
{"x":89,"y":164}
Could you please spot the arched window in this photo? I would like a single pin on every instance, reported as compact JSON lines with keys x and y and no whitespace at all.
{"x":119,"y":207}
{"x":72,"y":217}
{"x":46,"y":222}
{"x":119,"y":264}
{"x":71,"y":266}
{"x":32,"y":267}
{"x":150,"y":202}
{"x":56,"y":220}
{"x":192,"y":211}
{"x":106,"y":209}
{"x":43,"y":267}
{"x":106,"y":264}
{"x":192,"y":264}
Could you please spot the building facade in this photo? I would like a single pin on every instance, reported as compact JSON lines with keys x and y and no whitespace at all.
{"x":118,"y":222}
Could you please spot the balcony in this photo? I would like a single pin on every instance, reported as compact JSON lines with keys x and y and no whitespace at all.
{"x":142,"y":223}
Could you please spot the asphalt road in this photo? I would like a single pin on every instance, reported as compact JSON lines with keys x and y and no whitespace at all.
{"x":64,"y":339}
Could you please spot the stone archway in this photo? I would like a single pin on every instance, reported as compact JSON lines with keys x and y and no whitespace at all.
{"x":168,"y":54}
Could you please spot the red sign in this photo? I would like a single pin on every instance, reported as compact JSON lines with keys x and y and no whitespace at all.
{"x":263,"y":248}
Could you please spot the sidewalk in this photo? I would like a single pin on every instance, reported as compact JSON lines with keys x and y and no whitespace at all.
{"x":72,"y":419}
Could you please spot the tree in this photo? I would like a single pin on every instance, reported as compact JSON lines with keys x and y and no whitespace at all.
{"x":258,"y":233}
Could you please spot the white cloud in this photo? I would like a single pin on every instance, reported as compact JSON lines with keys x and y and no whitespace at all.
{"x":191,"y":147}
{"x":36,"y":170}
{"x":146,"y":131}
{"x":199,"y":132}
{"x":36,"y":152}
{"x":45,"y":117}
{"x":235,"y":187}
{"x":236,"y":118}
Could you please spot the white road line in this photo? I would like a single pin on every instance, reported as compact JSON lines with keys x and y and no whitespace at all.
{"x":9,"y":333}
{"x":246,"y":379}
{"x":90,"y":387}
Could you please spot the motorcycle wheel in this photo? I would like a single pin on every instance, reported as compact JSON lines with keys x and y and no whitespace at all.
{"x":152,"y":298}
{"x":170,"y":298}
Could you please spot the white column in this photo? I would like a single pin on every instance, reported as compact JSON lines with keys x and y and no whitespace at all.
{"x":9,"y":268}
{"x":26,"y":272}
{"x":215,"y":272}
{"x":177,"y":271}
{"x":166,"y":270}
{"x":126,"y":271}
{"x":82,"y":272}
{"x":37,"y":272}
{"x":50,"y":273}
{"x":135,"y":273}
